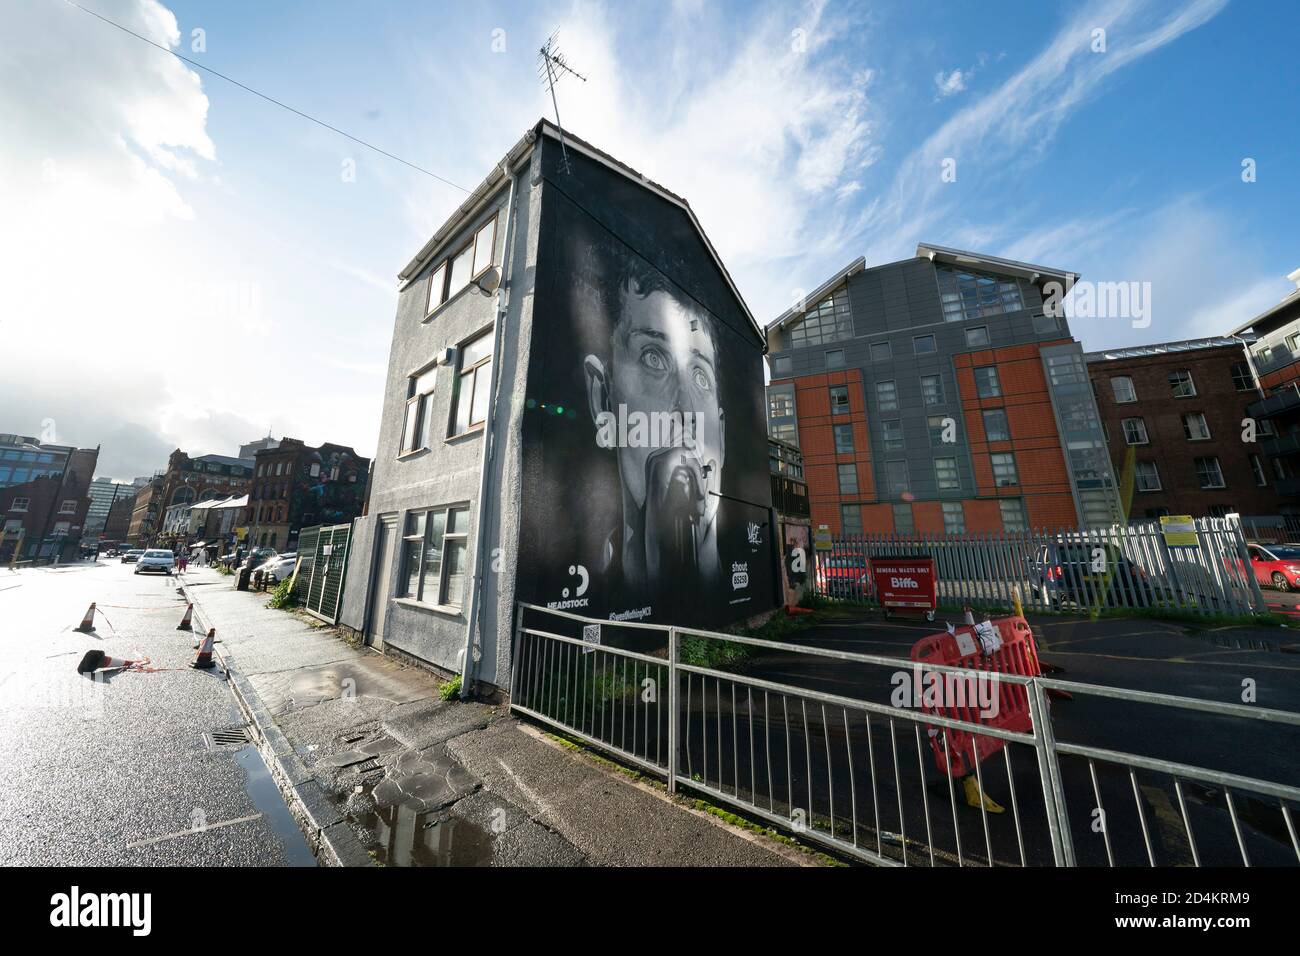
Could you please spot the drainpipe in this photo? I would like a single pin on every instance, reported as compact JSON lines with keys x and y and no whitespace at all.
{"x":489,"y":445}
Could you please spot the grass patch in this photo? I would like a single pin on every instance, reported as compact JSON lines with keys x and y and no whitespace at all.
{"x":710,"y":652}
{"x":451,"y":689}
{"x":282,"y":596}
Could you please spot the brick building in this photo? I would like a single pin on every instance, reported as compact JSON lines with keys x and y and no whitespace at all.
{"x":1174,"y":415}
{"x":185,"y":480}
{"x":937,"y":394}
{"x":296,"y":485}
{"x":47,"y":513}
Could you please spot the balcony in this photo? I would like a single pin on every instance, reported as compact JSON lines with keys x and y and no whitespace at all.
{"x":1287,"y":487}
{"x":790,"y":497}
{"x":1283,"y":400}
{"x":1281,"y":446}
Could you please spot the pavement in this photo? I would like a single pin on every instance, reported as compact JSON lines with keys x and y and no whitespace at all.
{"x":123,"y":771}
{"x":378,"y":769}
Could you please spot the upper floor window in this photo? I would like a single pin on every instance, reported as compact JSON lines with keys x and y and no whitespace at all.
{"x":923,"y":344}
{"x":954,"y":518}
{"x":835,"y":358}
{"x":780,"y":405}
{"x":1135,"y":431}
{"x":843,"y":439}
{"x":881,"y":351}
{"x":932,"y":389}
{"x":1241,"y":377}
{"x":20,"y":504}
{"x":1195,"y":427}
{"x":473,"y":384}
{"x":419,"y":398}
{"x":68,"y":507}
{"x":464,"y":265}
{"x":887,"y":396}
{"x":1180,"y":382}
{"x":781,"y":365}
{"x":987,"y":383}
{"x":1004,"y":469}
{"x":839,"y":400}
{"x":972,"y":295}
{"x":828,"y":321}
{"x":1122,"y":387}
{"x":996,"y":427}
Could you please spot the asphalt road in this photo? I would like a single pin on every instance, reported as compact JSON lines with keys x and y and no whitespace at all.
{"x":123,"y":771}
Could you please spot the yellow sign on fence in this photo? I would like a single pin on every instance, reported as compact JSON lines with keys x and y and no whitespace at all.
{"x":1179,"y":530}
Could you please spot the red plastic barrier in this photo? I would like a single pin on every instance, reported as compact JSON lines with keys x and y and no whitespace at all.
{"x":959,"y":698}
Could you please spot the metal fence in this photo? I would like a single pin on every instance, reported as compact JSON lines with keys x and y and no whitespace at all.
{"x":1125,"y":566}
{"x":816,"y":740}
{"x":1284,"y":529}
{"x":324,"y":559}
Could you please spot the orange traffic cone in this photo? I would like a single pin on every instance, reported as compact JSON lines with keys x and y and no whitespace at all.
{"x":204,"y":659}
{"x":88,"y":622}
{"x":185,"y":625}
{"x":98,"y":660}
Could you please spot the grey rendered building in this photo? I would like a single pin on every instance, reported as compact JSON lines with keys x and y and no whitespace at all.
{"x":566,"y":293}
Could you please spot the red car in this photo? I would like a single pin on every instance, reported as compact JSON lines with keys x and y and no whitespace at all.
{"x":843,"y":576}
{"x":1275,"y":566}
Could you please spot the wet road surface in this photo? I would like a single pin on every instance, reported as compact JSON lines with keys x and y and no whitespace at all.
{"x":123,"y":770}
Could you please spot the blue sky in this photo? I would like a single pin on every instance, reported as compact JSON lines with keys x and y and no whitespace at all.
{"x":206,"y":255}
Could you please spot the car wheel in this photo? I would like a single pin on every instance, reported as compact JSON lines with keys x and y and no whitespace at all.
{"x":136,"y":571}
{"x":1280,"y":582}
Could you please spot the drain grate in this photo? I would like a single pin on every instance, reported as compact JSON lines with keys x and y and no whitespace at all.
{"x":229,"y":737}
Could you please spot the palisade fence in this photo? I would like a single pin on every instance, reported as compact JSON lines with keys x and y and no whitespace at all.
{"x":324,"y":559}
{"x":1121,"y":567}
{"x":819,"y":741}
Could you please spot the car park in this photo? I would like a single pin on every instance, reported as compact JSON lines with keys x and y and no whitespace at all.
{"x":1084,"y":573}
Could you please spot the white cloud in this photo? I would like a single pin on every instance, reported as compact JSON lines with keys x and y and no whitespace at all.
{"x":765,"y":141}
{"x":946,"y":84}
{"x":156,"y":322}
{"x":1017,"y":121}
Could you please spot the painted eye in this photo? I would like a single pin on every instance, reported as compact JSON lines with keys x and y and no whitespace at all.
{"x":653,"y":359}
{"x":702,"y":380}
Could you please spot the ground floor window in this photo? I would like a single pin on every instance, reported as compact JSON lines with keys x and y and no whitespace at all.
{"x":434,"y":548}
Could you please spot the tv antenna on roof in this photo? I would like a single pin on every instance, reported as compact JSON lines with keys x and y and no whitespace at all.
{"x":551,"y":67}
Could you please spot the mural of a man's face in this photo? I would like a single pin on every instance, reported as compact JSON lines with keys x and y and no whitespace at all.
{"x":664,"y":361}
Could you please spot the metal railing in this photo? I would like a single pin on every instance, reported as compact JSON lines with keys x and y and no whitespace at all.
{"x":1121,"y":567}
{"x":815,"y":740}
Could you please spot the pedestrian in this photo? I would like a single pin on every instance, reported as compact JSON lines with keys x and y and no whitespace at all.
{"x":185,"y":561}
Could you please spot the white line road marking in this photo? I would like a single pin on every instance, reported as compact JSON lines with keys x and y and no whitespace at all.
{"x":184,"y":833}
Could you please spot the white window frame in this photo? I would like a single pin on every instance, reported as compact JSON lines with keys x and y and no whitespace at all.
{"x":1140,"y":425}
{"x":1131,"y":389}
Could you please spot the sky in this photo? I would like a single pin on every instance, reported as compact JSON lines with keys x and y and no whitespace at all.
{"x":186,"y":265}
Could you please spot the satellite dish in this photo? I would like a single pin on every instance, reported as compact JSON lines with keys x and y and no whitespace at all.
{"x":489,"y":281}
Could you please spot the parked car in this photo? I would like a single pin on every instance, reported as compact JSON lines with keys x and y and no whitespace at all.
{"x":278,"y":568}
{"x":1275,"y":565}
{"x":843,"y":576}
{"x":132,"y":556}
{"x":1073,"y":572}
{"x":156,"y":559}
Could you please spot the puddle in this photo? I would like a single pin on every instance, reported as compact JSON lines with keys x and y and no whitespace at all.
{"x":408,"y":837}
{"x":406,"y":818}
{"x":266,"y":797}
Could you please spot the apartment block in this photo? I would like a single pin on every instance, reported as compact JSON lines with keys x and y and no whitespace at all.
{"x":939,"y":394}
{"x":1177,"y":422}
